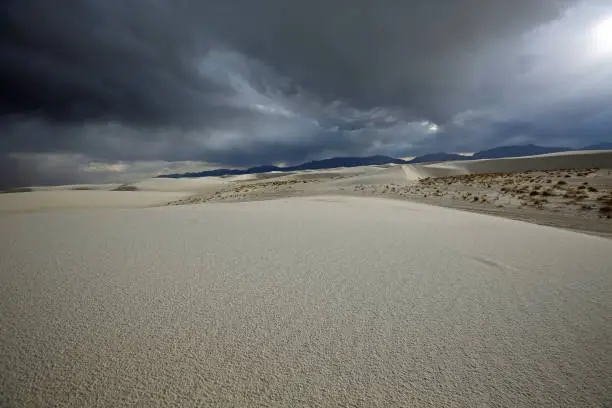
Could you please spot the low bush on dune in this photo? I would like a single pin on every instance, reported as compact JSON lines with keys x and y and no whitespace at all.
{"x":126,"y":187}
{"x":18,"y":190}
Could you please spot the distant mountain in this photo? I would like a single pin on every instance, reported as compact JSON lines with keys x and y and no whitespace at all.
{"x":598,"y":146}
{"x":335,"y":162}
{"x":517,"y":151}
{"x":312,"y":165}
{"x":207,"y":173}
{"x":438,"y":157}
{"x":345,"y":162}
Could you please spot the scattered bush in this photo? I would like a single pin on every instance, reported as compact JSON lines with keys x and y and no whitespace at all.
{"x":126,"y":187}
{"x":605,"y":210}
{"x":592,"y":189}
{"x":18,"y":190}
{"x":561,"y":182}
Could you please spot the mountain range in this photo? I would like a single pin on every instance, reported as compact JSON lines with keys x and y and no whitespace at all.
{"x":495,"y":153}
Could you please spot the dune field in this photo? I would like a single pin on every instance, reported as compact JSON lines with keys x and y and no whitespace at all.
{"x":568,"y":190}
{"x":339,"y":287}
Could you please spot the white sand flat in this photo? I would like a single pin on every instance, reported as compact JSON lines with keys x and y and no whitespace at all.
{"x":329,"y":301}
{"x":65,"y":199}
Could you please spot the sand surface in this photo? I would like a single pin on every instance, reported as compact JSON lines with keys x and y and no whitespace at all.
{"x":301,"y":302}
{"x":568,"y":190}
{"x":68,"y":200}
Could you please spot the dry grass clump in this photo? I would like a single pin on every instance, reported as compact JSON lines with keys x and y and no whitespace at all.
{"x":126,"y":187}
{"x":18,"y":190}
{"x":570,"y":193}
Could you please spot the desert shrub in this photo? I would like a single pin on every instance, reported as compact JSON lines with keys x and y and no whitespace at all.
{"x":561,"y":182}
{"x":83,"y":188}
{"x":606,"y":209}
{"x":126,"y":187}
{"x":534,"y":193}
{"x":18,"y":190}
{"x":592,"y":189}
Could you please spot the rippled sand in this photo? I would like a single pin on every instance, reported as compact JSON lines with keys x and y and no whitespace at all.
{"x":329,"y":301}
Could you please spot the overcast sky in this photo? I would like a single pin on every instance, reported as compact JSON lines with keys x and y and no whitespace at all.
{"x":97,"y":88}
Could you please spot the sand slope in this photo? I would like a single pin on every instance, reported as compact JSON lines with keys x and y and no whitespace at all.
{"x":64,"y":199}
{"x":324,"y":301}
{"x":407,"y":174}
{"x":554,"y":161}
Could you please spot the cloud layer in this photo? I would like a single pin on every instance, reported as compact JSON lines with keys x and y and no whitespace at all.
{"x":243,"y":83}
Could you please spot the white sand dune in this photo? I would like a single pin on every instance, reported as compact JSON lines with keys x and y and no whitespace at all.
{"x":564,"y":160}
{"x":181,"y":184}
{"x":397,"y":174}
{"x":329,"y":301}
{"x":63,"y":200}
{"x":70,"y":187}
{"x":406,"y":174}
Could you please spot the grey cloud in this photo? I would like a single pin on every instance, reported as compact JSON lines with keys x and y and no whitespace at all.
{"x":241,"y":82}
{"x":123,"y":61}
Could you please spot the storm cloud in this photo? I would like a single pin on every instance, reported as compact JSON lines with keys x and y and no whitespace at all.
{"x":237,"y":82}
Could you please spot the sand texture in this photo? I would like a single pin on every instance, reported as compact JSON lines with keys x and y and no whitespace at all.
{"x":301,"y":302}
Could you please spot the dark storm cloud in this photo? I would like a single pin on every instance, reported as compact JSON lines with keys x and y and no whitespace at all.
{"x":246,"y":82}
{"x":135,"y":61}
